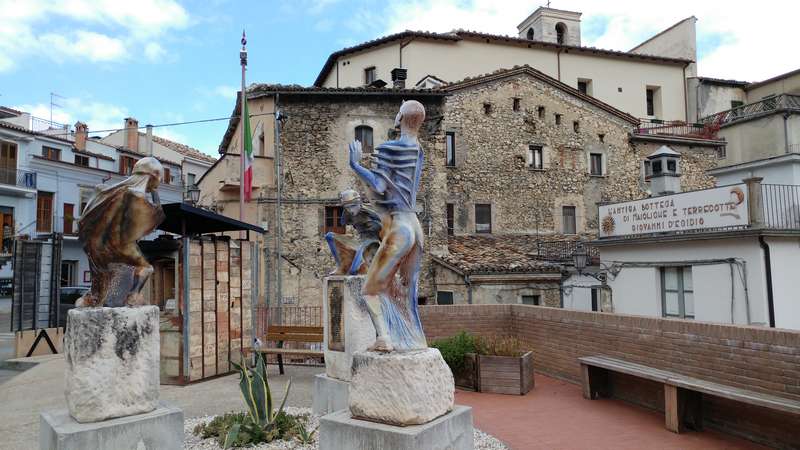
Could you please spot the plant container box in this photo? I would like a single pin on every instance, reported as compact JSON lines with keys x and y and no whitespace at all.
{"x":505,"y":374}
{"x":467,"y":377}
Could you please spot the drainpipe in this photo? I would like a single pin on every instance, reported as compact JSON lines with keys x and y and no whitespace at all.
{"x":786,"y":132}
{"x":768,"y":268}
{"x":685,"y":95}
{"x":558,"y":62}
{"x":469,"y":289}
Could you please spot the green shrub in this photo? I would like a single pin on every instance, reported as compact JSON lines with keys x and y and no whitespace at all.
{"x":500,"y":346}
{"x":286,"y":426}
{"x":453,"y":349}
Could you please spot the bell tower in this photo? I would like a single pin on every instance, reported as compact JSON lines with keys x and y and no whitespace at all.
{"x":552,"y":25}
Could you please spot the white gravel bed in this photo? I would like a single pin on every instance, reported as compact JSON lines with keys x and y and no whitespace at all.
{"x":483,"y":441}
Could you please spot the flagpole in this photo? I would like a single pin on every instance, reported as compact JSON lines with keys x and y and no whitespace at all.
{"x":243,"y":61}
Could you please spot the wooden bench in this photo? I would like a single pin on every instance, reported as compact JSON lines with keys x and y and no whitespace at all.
{"x":683,"y":394}
{"x":284,"y":333}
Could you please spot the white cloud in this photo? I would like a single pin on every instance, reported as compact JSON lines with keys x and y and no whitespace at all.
{"x":154,"y":51}
{"x":750,"y":43}
{"x":226,"y":91}
{"x":89,"y":30}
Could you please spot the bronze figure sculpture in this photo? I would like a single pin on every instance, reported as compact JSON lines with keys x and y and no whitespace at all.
{"x":110,"y":227}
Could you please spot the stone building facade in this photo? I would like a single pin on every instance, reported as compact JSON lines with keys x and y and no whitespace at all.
{"x":532,"y":154}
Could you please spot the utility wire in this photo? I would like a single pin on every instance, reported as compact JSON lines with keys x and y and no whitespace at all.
{"x":144,"y":127}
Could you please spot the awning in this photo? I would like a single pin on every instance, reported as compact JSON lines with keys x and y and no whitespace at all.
{"x":200,"y":221}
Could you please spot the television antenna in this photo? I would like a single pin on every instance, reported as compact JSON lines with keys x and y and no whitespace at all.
{"x":53,"y":104}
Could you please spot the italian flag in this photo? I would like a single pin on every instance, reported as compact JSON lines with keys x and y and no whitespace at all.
{"x":247,"y":154}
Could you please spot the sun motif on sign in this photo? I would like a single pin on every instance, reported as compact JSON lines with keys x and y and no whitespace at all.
{"x":608,"y":224}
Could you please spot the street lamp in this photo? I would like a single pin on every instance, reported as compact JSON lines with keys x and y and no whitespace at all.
{"x":193,"y":194}
{"x":580,"y":257}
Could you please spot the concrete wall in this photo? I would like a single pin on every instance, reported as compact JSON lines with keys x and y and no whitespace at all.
{"x":785,"y":258}
{"x":751,"y":358}
{"x":760,"y":138}
{"x":454,"y":61}
{"x":787,"y":85}
{"x":678,"y":41}
{"x":718,"y":288}
{"x":708,"y":98}
{"x":786,"y":171}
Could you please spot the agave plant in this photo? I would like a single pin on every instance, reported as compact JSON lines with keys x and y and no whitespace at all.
{"x":258,"y":398}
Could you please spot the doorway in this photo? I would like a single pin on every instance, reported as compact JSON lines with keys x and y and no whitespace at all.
{"x":8,"y":163}
{"x":7,"y":226}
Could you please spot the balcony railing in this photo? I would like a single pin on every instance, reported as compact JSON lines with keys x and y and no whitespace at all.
{"x":563,"y":251}
{"x":783,"y":102}
{"x":676,"y":128}
{"x":43,"y":125}
{"x":781,"y":206}
{"x":19,"y":178}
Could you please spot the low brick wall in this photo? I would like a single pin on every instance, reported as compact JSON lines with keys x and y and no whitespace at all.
{"x":753,"y":358}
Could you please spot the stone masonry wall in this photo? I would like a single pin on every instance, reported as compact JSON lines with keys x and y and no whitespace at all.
{"x":752,"y":358}
{"x":493,"y":166}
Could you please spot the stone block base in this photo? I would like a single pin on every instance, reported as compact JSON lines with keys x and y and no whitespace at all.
{"x":453,"y":431}
{"x":330,"y":395}
{"x":160,"y":429}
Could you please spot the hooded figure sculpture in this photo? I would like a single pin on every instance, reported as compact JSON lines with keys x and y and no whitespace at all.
{"x":390,"y":290}
{"x":109,"y":228}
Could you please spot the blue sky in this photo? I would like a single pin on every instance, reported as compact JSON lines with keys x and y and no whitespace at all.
{"x":165,"y":61}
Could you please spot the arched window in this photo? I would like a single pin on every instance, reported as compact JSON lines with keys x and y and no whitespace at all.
{"x":530,"y":34}
{"x":561,"y":32}
{"x":364,"y":135}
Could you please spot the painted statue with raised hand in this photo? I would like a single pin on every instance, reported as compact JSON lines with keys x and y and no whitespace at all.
{"x":390,"y":290}
{"x":110,"y":227}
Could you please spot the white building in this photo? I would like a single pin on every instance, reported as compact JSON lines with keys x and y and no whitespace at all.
{"x":649,"y":81}
{"x":727,"y":254}
{"x":48,"y":174}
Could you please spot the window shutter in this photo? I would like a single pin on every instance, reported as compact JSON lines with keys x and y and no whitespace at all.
{"x":321,"y":220}
{"x":528,"y":155}
{"x":604,"y":160}
{"x":546,"y":157}
{"x":461,"y":149}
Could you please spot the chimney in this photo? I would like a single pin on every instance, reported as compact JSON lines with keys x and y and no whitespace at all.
{"x":132,"y":134}
{"x":399,"y":78}
{"x":81,"y":133}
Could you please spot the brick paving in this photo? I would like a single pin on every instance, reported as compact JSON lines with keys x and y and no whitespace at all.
{"x":554,"y":415}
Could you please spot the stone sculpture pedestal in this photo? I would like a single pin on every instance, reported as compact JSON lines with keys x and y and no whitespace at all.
{"x":112,"y":382}
{"x":453,"y":431}
{"x":348,"y":329}
{"x":160,"y":429}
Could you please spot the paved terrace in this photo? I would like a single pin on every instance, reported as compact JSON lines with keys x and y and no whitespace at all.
{"x":552,"y":416}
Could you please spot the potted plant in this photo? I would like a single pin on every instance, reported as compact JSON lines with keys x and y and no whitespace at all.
{"x":459,"y":352}
{"x":504,"y":366}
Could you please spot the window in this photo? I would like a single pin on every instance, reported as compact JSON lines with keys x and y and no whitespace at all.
{"x":86,"y":195}
{"x":576,"y":126}
{"x":515,"y":104}
{"x":531,"y":300}
{"x":364,"y":135}
{"x":451,"y":219}
{"x":487,"y":108}
{"x":722,"y":152}
{"x":558,"y":119}
{"x":167,"y":176}
{"x":483,"y":218}
{"x":444,"y":298}
{"x":530,"y":34}
{"x":540,"y":111}
{"x":69,"y":218}
{"x":736,"y":103}
{"x":601,"y":137}
{"x":82,"y":160}
{"x":672,"y":166}
{"x":69,"y":270}
{"x":596,"y":164}
{"x":536,"y":154}
{"x":44,"y":212}
{"x":53,"y":154}
{"x":677,"y":292}
{"x":595,"y":299}
{"x":369,"y":75}
{"x":450,"y":141}
{"x":561,"y":32}
{"x":568,"y":222}
{"x":333,"y":219}
{"x":126,"y":165}
{"x":585,"y":86}
{"x":656,"y":168}
{"x":653,"y":100}
{"x":190,"y":179}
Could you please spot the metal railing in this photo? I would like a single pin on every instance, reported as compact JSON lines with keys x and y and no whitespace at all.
{"x":655,"y":127}
{"x":781,"y":206}
{"x":43,"y":125}
{"x":767,"y":105}
{"x":17,"y":177}
{"x":563,"y":251}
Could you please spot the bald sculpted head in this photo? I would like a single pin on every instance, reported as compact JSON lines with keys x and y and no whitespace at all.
{"x":410,"y":117}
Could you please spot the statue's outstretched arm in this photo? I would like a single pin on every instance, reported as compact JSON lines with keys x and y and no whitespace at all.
{"x":375,"y":183}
